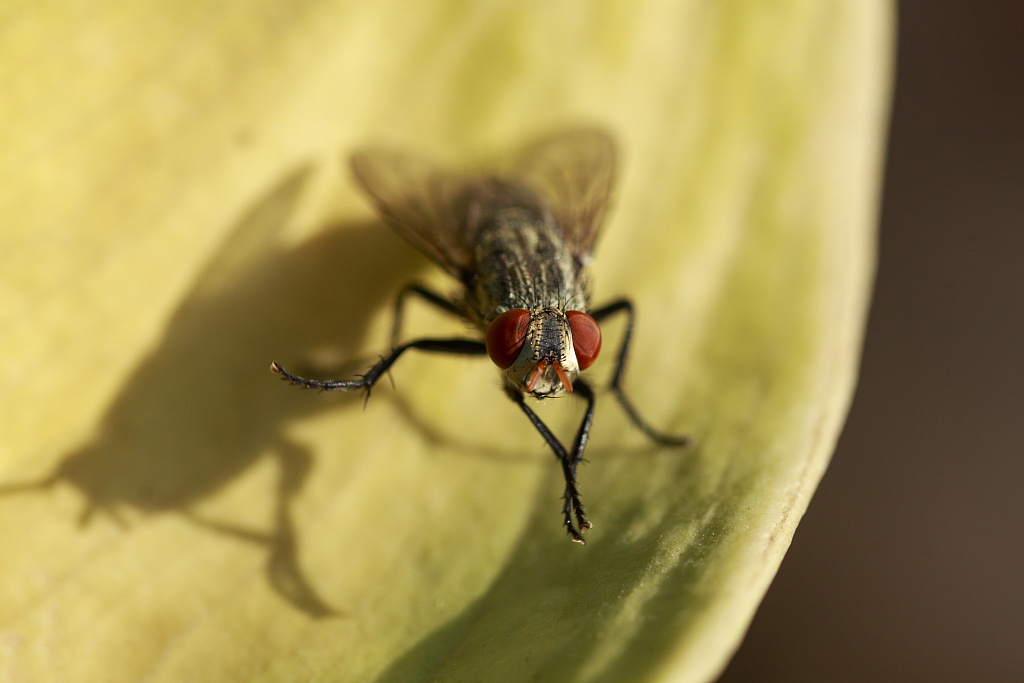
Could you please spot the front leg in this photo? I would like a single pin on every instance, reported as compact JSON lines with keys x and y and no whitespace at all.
{"x":465,"y":347}
{"x":620,"y":366}
{"x":573,"y":505}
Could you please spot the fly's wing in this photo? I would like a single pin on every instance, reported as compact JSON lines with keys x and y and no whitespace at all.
{"x":573,"y":172}
{"x":424,"y":204}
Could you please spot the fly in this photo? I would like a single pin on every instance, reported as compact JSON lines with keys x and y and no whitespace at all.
{"x":520,"y":245}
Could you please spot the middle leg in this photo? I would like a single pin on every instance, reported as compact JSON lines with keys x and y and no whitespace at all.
{"x":626,"y":306}
{"x":427,"y":295}
{"x":465,"y":347}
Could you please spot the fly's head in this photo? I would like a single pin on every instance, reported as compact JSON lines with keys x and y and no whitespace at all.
{"x":542,"y":350}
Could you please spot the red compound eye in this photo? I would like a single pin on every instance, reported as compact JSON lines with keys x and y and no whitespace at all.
{"x":586,"y":337}
{"x":506,"y":335}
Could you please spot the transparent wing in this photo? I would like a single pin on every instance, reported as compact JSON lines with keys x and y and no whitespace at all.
{"x":440,"y":212}
{"x":573,"y":173}
{"x":424,"y":204}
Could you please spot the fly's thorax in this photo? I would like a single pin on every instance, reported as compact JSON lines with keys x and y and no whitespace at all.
{"x":547,"y":356}
{"x":521,"y":261}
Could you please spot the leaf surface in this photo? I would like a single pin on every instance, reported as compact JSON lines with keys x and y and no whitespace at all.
{"x":177,"y":213}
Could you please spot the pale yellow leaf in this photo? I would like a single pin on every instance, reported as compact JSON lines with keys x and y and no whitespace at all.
{"x":175,"y":212}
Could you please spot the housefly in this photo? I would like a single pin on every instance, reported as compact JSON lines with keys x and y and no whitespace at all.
{"x":520,"y":245}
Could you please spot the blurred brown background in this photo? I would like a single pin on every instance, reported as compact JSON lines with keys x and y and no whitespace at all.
{"x":909,"y":565}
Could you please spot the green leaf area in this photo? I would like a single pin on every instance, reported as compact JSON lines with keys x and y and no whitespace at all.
{"x":176,"y":213}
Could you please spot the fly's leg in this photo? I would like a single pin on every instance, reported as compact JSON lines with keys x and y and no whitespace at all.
{"x":425,"y":294}
{"x":573,"y":506}
{"x":582,"y":390}
{"x":620,"y":366}
{"x":465,"y":347}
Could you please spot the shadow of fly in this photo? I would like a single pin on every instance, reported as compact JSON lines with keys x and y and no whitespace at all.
{"x":520,"y":243}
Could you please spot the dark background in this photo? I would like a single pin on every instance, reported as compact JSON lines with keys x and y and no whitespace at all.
{"x":909,"y":565}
